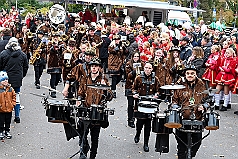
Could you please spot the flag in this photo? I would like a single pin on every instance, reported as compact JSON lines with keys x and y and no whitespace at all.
{"x":195,"y":4}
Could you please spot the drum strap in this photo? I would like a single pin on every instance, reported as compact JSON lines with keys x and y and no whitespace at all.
{"x":85,"y":68}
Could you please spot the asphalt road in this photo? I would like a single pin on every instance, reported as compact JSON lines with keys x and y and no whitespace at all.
{"x":37,"y":138}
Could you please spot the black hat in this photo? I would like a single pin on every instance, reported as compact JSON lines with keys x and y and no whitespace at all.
{"x":175,"y":48}
{"x":190,"y":67}
{"x":185,"y":38}
{"x":91,"y":51}
{"x":91,"y":28}
{"x":40,"y":32}
{"x":95,"y":61}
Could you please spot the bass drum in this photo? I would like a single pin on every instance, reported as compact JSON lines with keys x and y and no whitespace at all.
{"x":211,"y":121}
{"x":158,"y":124}
{"x":56,"y":112}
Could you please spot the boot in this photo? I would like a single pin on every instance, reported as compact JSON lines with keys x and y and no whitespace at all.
{"x":221,"y":97}
{"x":1,"y":136}
{"x":217,"y":100}
{"x":146,"y":147}
{"x":226,"y":100}
{"x":229,"y":101}
{"x":131,"y":123}
{"x":137,"y":139}
{"x":53,"y":94}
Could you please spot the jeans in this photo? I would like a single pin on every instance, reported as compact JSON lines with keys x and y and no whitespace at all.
{"x":147,"y":128}
{"x":17,"y":107}
{"x":115,"y":80}
{"x":54,"y":79}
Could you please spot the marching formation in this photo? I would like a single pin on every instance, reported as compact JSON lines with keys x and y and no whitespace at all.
{"x":191,"y":72}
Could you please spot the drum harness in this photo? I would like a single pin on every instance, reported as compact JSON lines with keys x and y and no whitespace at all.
{"x":146,"y":81}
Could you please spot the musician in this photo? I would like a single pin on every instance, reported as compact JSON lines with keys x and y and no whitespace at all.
{"x":54,"y":68}
{"x":78,"y":72}
{"x":93,"y":39}
{"x":145,"y":84}
{"x":191,"y":94}
{"x":131,"y":74}
{"x":93,"y":96}
{"x":175,"y":64}
{"x":115,"y":61}
{"x":103,"y":51}
{"x":39,"y":53}
{"x":70,"y":58}
{"x":160,"y":67}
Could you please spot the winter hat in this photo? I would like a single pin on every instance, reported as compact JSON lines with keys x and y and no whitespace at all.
{"x":3,"y":76}
{"x":13,"y":44}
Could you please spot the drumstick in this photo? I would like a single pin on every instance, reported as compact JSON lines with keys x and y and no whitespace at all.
{"x":51,"y":89}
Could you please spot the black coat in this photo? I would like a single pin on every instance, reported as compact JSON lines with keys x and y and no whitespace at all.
{"x":186,"y":52}
{"x":4,"y":42}
{"x":103,"y":52}
{"x":15,"y":63}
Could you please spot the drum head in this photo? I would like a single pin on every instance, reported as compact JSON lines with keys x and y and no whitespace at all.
{"x":173,"y":125}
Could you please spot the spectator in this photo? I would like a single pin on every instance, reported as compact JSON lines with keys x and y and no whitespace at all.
{"x":7,"y":102}
{"x":15,"y":63}
{"x":7,"y":34}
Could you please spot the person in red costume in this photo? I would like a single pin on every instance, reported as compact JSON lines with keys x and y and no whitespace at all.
{"x":145,"y":52}
{"x":87,"y":16}
{"x":226,"y":77}
{"x":165,"y":43}
{"x":212,"y":65}
{"x":224,"y":47}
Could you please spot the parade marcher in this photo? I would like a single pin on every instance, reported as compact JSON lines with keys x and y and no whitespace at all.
{"x":176,"y":65}
{"x":225,"y":78}
{"x":15,"y":63}
{"x":77,"y":73}
{"x":145,"y":84}
{"x":70,"y":58}
{"x":131,"y":73}
{"x":38,"y":58}
{"x":212,"y":65}
{"x":115,"y":61}
{"x":186,"y":50}
{"x":191,"y":94}
{"x":103,"y":50}
{"x":161,"y":68}
{"x":93,"y":96}
{"x":6,"y":35}
{"x":53,"y":63}
{"x":7,"y":102}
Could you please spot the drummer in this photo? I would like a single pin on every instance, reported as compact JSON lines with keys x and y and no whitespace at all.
{"x":145,"y":84}
{"x":190,"y":95}
{"x":94,"y":96}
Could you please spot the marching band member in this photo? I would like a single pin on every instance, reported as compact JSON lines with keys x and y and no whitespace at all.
{"x":161,"y":71}
{"x":93,"y":96}
{"x":38,"y":58}
{"x":115,"y":61}
{"x":78,"y":72}
{"x":131,"y":73}
{"x":212,"y":65}
{"x":191,"y":94}
{"x":70,"y":58}
{"x":53,"y":63}
{"x":175,"y":64}
{"x":225,"y":77}
{"x":145,"y":84}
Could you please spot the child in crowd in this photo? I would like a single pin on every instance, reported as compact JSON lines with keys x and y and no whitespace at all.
{"x":7,"y":103}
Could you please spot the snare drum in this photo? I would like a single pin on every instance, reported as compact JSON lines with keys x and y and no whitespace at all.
{"x":96,"y":112}
{"x":193,"y":126}
{"x":173,"y":119}
{"x":56,"y":111}
{"x":158,"y":124}
{"x":82,"y":112}
{"x":212,"y":121}
{"x":147,"y":107}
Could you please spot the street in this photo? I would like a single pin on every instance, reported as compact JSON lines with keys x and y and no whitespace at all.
{"x":36,"y":138}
